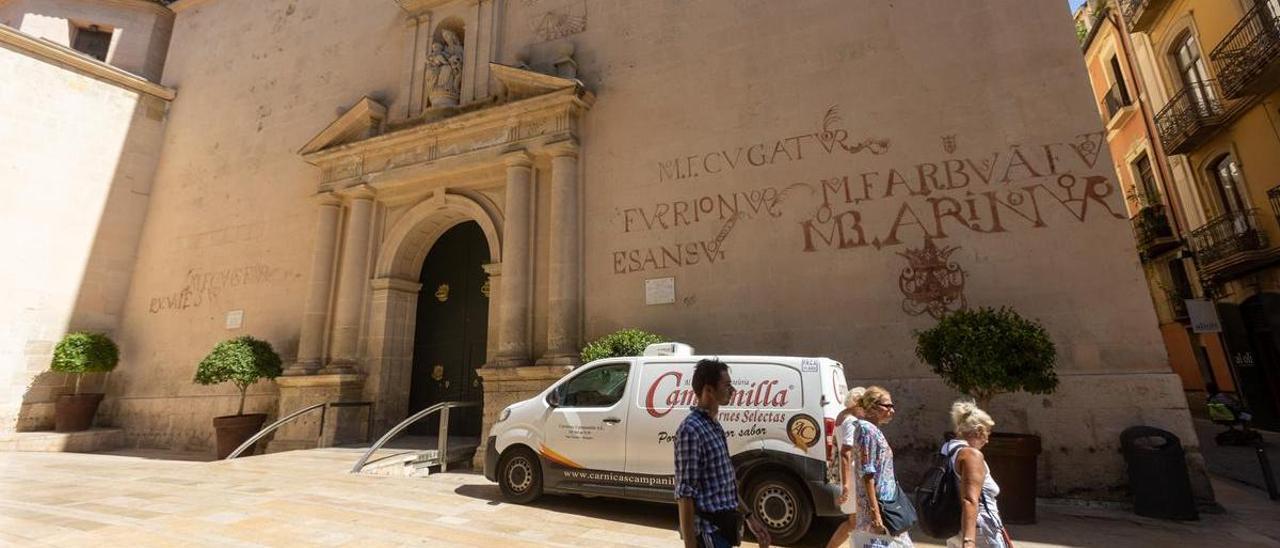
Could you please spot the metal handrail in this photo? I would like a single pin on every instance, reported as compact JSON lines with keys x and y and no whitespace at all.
{"x":291,"y":416}
{"x":271,"y":428}
{"x":442,"y":444}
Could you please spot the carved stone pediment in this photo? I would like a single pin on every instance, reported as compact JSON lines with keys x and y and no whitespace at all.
{"x":518,"y":83}
{"x":361,"y":121}
{"x":415,"y":7}
{"x":413,"y":159}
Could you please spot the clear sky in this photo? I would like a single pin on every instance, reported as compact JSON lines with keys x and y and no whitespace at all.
{"x":1074,"y":4}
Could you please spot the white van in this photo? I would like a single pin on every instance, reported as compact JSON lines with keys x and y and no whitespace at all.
{"x":608,"y":428}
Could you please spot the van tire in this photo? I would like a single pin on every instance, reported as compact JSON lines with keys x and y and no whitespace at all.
{"x":782,"y":505}
{"x":520,"y":475}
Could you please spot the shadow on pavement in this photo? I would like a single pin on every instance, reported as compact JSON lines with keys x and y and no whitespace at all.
{"x":648,"y":514}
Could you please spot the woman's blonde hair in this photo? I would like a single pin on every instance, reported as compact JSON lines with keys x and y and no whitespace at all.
{"x":872,"y":397}
{"x":968,"y":419}
{"x":852,"y":396}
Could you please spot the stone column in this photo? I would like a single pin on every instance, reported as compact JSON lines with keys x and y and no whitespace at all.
{"x":416,"y":33}
{"x":353,"y":283}
{"x":393,"y":316}
{"x":316,"y":314}
{"x":563,"y":296}
{"x":517,"y":241}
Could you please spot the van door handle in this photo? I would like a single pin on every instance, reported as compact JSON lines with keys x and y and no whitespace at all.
{"x":612,"y":420}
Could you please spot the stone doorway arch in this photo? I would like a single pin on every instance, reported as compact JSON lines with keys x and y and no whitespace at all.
{"x":395,"y":290}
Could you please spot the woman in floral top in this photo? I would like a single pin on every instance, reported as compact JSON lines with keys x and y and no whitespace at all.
{"x":875,"y":459}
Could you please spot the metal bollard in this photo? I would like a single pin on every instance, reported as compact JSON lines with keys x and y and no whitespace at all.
{"x":1267,"y":475}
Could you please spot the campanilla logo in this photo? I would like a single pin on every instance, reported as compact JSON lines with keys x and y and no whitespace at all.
{"x":666,"y":393}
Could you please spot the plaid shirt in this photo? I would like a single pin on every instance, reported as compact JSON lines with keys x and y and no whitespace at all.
{"x":704,"y":471}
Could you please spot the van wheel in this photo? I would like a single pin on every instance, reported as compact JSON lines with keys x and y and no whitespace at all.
{"x":782,"y":506}
{"x":520,"y":475}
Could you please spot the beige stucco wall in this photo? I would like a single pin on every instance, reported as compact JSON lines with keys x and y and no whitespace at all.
{"x":141,"y":28}
{"x":697,"y":103}
{"x":231,"y":222}
{"x":79,"y":157}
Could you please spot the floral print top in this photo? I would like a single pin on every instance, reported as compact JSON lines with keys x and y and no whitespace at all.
{"x":875,"y":457}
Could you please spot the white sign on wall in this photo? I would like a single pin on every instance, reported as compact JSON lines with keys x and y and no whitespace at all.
{"x":1204,"y":316}
{"x":235,"y":319}
{"x":660,"y":291}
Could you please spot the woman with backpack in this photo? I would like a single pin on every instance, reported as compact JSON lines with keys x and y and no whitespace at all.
{"x":847,"y":447}
{"x":881,"y":502}
{"x":980,"y":525}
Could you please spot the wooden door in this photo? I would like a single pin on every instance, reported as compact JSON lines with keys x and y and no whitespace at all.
{"x":452,"y":324}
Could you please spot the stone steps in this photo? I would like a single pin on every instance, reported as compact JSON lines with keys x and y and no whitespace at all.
{"x":416,"y":463}
{"x":87,"y":441}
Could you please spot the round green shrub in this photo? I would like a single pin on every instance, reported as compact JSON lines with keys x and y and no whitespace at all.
{"x":621,"y":343}
{"x":985,"y":352}
{"x":84,"y":352}
{"x":240,"y":361}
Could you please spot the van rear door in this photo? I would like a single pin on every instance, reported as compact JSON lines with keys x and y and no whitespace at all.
{"x":834,"y":389}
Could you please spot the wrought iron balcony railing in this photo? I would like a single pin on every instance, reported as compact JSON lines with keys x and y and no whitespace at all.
{"x":1153,"y":232}
{"x":1140,"y":14}
{"x":1192,"y":116}
{"x":1247,"y":60}
{"x":1227,"y":236}
{"x":1116,"y":98}
{"x":1273,"y":196}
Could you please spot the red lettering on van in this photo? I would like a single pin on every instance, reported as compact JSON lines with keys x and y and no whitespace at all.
{"x":757,"y":394}
{"x":670,"y":399}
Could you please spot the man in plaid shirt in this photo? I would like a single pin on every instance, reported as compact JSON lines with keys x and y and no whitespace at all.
{"x":705,"y":481}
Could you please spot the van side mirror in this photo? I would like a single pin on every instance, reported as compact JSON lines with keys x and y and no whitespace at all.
{"x":553,"y":399}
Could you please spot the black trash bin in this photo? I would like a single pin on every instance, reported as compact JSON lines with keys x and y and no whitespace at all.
{"x":1158,"y":474}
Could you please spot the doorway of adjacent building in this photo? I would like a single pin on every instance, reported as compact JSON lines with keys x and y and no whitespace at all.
{"x":450,"y":333}
{"x":1259,"y":374}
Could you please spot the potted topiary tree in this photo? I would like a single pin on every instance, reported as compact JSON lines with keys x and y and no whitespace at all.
{"x":621,"y":343}
{"x":986,"y":352}
{"x":79,"y":353}
{"x":242,"y":361}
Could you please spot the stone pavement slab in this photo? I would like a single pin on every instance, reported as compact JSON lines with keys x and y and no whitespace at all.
{"x":307,"y":498}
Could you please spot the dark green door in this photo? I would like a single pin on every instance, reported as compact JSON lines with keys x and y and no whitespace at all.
{"x":452,"y":322}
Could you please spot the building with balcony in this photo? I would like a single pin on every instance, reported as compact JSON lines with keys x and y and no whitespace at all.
{"x":1153,"y":183}
{"x":1213,"y":70}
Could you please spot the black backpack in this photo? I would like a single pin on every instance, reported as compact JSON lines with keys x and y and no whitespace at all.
{"x":938,"y":499}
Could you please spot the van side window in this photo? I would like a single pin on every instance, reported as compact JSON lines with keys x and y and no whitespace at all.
{"x":600,"y":387}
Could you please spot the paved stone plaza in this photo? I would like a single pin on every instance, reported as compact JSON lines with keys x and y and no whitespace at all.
{"x":307,"y":498}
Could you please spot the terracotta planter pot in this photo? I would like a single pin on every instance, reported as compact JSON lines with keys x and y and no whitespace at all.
{"x":74,"y":412}
{"x":233,"y":430}
{"x":1013,"y":459}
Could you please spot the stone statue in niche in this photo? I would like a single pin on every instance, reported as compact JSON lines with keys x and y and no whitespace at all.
{"x":564,"y":64}
{"x":444,"y":71}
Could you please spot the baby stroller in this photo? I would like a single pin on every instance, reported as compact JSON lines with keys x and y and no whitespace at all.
{"x":1225,"y":410}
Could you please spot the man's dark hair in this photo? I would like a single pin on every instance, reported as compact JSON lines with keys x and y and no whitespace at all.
{"x":707,"y":373}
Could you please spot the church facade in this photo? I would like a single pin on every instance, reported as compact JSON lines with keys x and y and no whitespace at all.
{"x":419,"y":201}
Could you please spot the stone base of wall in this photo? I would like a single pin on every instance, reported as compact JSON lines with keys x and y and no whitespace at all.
{"x":298,"y":392}
{"x":88,"y":441}
{"x":504,"y":386}
{"x":177,"y":423}
{"x":35,"y":417}
{"x":1079,"y":424}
